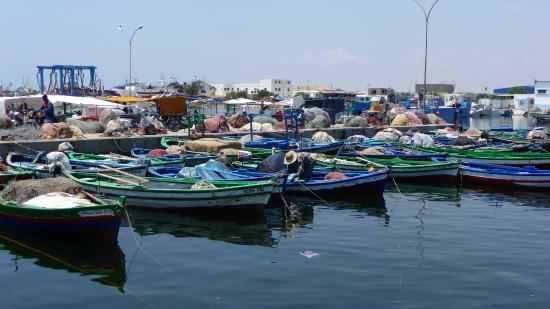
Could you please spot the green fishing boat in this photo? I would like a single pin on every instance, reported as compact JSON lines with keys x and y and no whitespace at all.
{"x":13,"y":174}
{"x":399,"y":168}
{"x":178,"y":193}
{"x":167,"y":141}
{"x":494,"y":156}
{"x":61,"y":215}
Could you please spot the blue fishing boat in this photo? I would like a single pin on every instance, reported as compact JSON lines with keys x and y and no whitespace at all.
{"x":355,"y":184}
{"x":39,"y":167}
{"x":508,"y":176}
{"x":209,"y":171}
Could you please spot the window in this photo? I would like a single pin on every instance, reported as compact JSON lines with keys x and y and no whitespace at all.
{"x":541,"y":91}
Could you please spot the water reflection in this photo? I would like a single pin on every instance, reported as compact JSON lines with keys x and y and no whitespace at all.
{"x":246,"y":229}
{"x":371,"y":206}
{"x":445,"y":193}
{"x":104,"y":264}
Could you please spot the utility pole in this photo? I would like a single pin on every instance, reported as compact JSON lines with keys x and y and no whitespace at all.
{"x":427,"y":15}
{"x":131,"y":47}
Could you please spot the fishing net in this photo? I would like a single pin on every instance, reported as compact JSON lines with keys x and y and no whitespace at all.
{"x":203,"y":185}
{"x":25,"y":190}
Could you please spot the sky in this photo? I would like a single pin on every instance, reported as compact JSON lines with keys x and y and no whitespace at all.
{"x":351,"y":44}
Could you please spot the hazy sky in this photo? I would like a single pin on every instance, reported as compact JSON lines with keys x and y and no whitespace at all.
{"x":348,"y":43}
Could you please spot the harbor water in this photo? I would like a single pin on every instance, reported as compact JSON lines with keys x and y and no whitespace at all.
{"x":422,"y":247}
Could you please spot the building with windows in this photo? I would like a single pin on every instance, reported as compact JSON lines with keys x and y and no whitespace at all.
{"x":279,"y":87}
{"x":542,"y":95}
{"x":435,"y":88}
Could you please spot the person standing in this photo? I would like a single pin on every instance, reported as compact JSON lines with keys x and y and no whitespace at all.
{"x":47,"y":110}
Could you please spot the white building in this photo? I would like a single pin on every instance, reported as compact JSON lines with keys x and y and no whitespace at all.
{"x":542,"y":95}
{"x":279,"y":87}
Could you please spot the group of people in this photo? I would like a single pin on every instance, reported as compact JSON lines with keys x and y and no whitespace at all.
{"x":45,"y":114}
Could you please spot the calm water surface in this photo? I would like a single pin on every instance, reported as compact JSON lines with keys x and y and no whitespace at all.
{"x":426,"y":247}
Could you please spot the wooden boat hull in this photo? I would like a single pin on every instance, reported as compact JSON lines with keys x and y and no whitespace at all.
{"x":482,"y":174}
{"x":100,"y":222}
{"x":372,"y":183}
{"x":245,"y":194}
{"x":189,"y":159}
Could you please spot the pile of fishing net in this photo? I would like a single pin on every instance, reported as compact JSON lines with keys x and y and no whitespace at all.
{"x":357,"y":139}
{"x":434,"y":119}
{"x":210,"y":145}
{"x":316,"y":118}
{"x":203,"y":185}
{"x":59,"y":130}
{"x":25,"y":190}
{"x":389,"y":134}
{"x":173,"y":149}
{"x":372,"y":151}
{"x":238,"y":121}
{"x":357,"y":122}
{"x":332,"y":176}
{"x":155,"y":153}
{"x":322,"y":138}
{"x":86,"y":126}
{"x":407,"y":119}
{"x":538,"y":133}
{"x":109,"y":114}
{"x":257,"y":127}
{"x":217,"y":124}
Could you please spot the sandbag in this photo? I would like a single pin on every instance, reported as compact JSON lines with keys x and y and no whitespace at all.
{"x":24,"y":190}
{"x":211,"y":145}
{"x":322,"y":138}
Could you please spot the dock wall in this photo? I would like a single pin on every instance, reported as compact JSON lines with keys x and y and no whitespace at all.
{"x":97,"y":144}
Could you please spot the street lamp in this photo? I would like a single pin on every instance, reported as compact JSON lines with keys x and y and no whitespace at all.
{"x":427,"y":15}
{"x":131,"y":46}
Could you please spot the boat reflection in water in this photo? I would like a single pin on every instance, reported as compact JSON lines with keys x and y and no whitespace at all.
{"x":244,"y":228}
{"x":371,"y":206}
{"x":104,"y":264}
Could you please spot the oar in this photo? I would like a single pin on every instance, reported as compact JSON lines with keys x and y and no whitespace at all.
{"x":125,"y":181}
{"x":116,"y":170}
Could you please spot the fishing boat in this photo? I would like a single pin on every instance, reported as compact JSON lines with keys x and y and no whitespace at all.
{"x":12,"y":173}
{"x":206,"y":173}
{"x":499,"y":175}
{"x":303,"y":145}
{"x":495,"y":156}
{"x":177,"y":193}
{"x":392,"y":151}
{"x":359,"y":184}
{"x":37,"y":166}
{"x":187,"y":159}
{"x":117,"y":161}
{"x":399,"y":168}
{"x":61,"y":215}
{"x":167,"y":141}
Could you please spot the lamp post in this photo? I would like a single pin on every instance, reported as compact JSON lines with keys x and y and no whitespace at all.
{"x":131,"y":46}
{"x":427,"y":15}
